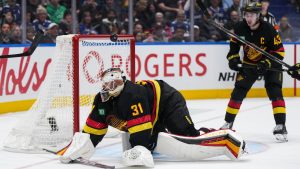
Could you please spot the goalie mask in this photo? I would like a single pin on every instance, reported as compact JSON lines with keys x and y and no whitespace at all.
{"x":112,"y":83}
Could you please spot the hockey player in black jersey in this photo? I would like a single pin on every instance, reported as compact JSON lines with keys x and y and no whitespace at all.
{"x":144,"y":109}
{"x":254,"y":64}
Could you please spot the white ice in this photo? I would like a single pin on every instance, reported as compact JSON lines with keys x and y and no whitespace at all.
{"x":254,"y":123}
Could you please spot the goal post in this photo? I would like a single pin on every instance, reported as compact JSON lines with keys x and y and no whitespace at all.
{"x":76,"y":46}
{"x":65,"y":97}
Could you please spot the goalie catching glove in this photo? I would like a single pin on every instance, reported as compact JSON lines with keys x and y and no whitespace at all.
{"x":138,"y":156}
{"x":81,"y":147}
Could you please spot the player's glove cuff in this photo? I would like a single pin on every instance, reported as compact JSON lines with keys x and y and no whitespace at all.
{"x":234,"y":64}
{"x":262,"y":66}
{"x":294,"y":71}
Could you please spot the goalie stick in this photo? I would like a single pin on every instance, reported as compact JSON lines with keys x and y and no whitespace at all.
{"x":37,"y":38}
{"x":86,"y":162}
{"x":268,"y":55}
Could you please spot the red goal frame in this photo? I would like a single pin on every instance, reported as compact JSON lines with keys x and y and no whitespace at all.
{"x":75,"y":72}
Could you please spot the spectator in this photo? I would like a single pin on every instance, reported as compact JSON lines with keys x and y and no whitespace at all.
{"x":51,"y":34}
{"x":285,"y":30}
{"x":55,"y":11}
{"x":234,"y":18}
{"x":88,"y":5}
{"x":30,"y":34}
{"x":123,"y":31}
{"x":226,"y":4}
{"x":41,"y":22}
{"x":98,"y":24}
{"x":111,"y":5}
{"x":159,"y":34}
{"x":217,"y":12}
{"x":4,"y":34}
{"x":197,"y":12}
{"x":16,"y":35}
{"x":111,"y":23}
{"x":148,"y":36}
{"x":197,"y":37}
{"x":32,"y":5}
{"x":138,"y":28}
{"x":266,"y":15}
{"x":179,"y":21}
{"x":159,"y":20}
{"x":208,"y":31}
{"x":144,"y":14}
{"x":236,"y":6}
{"x":65,"y":26}
{"x":9,"y":19}
{"x":85,"y":27}
{"x":29,"y":18}
{"x":170,"y":8}
{"x":14,"y":8}
{"x":179,"y":34}
{"x":139,"y":37}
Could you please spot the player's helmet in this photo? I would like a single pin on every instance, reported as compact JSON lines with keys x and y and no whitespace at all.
{"x":254,"y":7}
{"x":112,"y":83}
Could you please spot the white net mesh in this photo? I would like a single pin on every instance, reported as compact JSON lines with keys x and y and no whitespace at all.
{"x":49,"y":123}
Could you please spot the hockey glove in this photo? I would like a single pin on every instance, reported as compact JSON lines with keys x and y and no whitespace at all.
{"x":294,"y":71}
{"x":234,"y":64}
{"x":262,"y":66}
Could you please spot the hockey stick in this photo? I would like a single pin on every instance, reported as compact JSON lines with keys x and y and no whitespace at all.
{"x":85,"y":161}
{"x":38,"y":37}
{"x":268,"y":55}
{"x":254,"y":67}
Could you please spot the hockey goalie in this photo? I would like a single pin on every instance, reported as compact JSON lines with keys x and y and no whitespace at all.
{"x":156,"y":118}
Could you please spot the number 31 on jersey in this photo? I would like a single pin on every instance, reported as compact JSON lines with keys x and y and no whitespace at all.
{"x":137,"y":109}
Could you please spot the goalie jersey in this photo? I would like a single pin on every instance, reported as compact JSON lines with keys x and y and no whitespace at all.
{"x":139,"y":110}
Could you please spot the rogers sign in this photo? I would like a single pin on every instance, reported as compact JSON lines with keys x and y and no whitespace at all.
{"x":25,"y":75}
{"x":183,"y":61}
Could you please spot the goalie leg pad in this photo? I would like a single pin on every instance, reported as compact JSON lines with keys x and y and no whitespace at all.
{"x":81,"y":146}
{"x":212,"y":144}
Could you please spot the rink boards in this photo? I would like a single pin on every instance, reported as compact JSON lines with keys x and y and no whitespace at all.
{"x":198,"y":70}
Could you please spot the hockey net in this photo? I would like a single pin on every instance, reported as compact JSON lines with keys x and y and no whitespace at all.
{"x":66,"y":96}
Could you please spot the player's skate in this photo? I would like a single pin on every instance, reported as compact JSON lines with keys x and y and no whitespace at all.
{"x":280,"y":133}
{"x":227,"y":125}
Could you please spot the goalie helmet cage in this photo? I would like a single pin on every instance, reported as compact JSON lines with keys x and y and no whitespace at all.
{"x":65,"y":98}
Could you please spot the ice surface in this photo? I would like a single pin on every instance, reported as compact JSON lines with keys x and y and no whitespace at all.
{"x":255,"y":123}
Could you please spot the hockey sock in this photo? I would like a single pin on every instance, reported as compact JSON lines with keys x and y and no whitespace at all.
{"x":232,"y":110}
{"x":279,"y":111}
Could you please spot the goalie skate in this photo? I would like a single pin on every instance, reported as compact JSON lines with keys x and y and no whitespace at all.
{"x":280,"y":133}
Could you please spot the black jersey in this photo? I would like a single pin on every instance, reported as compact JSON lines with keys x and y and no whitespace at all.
{"x":136,"y":110}
{"x":265,"y":37}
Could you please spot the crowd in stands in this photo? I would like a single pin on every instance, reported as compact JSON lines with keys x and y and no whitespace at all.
{"x":154,"y":20}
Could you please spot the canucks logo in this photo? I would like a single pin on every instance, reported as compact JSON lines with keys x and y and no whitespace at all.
{"x":101,"y":112}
